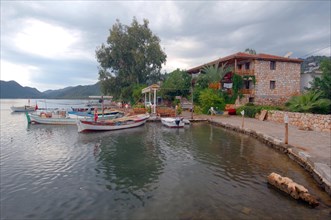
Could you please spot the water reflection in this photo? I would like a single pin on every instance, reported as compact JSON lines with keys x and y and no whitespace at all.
{"x":129,"y":164}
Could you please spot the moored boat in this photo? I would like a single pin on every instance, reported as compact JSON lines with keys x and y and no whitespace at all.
{"x":26,"y":108}
{"x":88,"y":114}
{"x":114,"y":124}
{"x":51,"y":118}
{"x":173,"y":122}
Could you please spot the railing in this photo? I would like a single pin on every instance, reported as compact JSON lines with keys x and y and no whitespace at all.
{"x":248,"y":91}
{"x":244,"y":72}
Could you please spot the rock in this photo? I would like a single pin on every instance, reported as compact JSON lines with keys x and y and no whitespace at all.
{"x":292,"y":188}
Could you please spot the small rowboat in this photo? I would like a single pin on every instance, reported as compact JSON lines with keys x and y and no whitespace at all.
{"x":173,"y":122}
{"x":114,"y":124}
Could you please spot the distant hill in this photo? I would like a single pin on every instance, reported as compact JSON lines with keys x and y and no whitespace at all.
{"x":311,"y":61}
{"x":12,"y":89}
{"x":76,"y":92}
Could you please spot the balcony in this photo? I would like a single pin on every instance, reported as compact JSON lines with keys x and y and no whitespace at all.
{"x":244,"y":72}
{"x":247,"y":91}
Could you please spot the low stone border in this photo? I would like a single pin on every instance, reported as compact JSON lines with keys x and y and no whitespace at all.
{"x":314,"y":168}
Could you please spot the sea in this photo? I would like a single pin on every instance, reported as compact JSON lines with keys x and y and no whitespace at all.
{"x":149,"y":172}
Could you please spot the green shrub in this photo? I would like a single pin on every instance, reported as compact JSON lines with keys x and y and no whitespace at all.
{"x":210,"y":98}
{"x":310,"y":102}
{"x":252,"y":110}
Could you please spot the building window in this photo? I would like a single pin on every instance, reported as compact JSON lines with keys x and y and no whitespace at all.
{"x":247,"y":66}
{"x":251,"y":99}
{"x":239,"y":66}
{"x":272,"y":85}
{"x":248,"y":84}
{"x":272,"y":65}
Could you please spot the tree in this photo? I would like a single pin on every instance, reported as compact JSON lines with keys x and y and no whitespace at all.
{"x":250,"y":51}
{"x":131,"y":55}
{"x":323,"y":84}
{"x":214,"y":73}
{"x":177,"y":83}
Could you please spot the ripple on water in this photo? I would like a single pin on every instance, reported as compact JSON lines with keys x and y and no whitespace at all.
{"x":202,"y":171}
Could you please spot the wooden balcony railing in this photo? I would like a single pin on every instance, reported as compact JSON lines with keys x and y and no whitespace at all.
{"x":244,"y":72}
{"x":247,"y":91}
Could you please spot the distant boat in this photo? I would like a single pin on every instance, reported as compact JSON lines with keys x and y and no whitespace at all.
{"x":26,"y":108}
{"x":173,"y":122}
{"x":114,"y":124}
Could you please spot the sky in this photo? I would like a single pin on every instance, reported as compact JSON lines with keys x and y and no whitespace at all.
{"x":51,"y":44}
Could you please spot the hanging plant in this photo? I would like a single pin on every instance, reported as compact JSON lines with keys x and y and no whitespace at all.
{"x":238,"y":83}
{"x":250,"y":77}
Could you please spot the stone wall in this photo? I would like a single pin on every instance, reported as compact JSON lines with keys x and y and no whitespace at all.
{"x":287,"y":82}
{"x":306,"y":121}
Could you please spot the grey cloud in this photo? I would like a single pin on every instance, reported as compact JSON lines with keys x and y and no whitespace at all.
{"x":215,"y":29}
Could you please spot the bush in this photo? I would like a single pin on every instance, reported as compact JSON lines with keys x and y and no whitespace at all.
{"x":252,"y":110}
{"x":210,"y":98}
{"x":310,"y":102}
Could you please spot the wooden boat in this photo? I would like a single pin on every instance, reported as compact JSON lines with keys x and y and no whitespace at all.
{"x":173,"y":122}
{"x":50,"y":118}
{"x":114,"y":124}
{"x":26,"y":108}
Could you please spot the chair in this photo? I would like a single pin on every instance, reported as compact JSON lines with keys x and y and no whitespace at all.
{"x":214,"y":112}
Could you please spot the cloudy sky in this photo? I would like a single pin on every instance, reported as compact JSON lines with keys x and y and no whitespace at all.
{"x":51,"y":44}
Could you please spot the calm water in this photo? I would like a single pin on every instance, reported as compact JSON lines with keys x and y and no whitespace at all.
{"x":149,"y":172}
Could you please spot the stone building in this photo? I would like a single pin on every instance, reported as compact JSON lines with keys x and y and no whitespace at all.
{"x":268,"y":79}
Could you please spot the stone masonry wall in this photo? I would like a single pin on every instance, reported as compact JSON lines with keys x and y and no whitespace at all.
{"x":287,"y":82}
{"x":306,"y":121}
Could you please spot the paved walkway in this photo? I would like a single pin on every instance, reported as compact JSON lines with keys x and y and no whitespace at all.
{"x":311,"y":148}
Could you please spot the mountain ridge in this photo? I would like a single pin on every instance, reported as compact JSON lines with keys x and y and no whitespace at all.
{"x":12,"y":89}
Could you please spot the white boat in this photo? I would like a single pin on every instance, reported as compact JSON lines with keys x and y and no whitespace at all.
{"x":173,"y":122}
{"x":51,"y":118}
{"x":26,"y":108}
{"x":114,"y":124}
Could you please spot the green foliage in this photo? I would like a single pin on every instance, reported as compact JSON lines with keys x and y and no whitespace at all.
{"x":179,"y":110}
{"x":132,"y":55}
{"x":210,"y":98}
{"x":136,"y":92}
{"x":323,"y":84}
{"x":197,"y":109}
{"x":214,"y":73}
{"x":311,"y":102}
{"x":251,"y":110}
{"x":177,"y":83}
{"x":250,"y":51}
{"x":238,"y":83}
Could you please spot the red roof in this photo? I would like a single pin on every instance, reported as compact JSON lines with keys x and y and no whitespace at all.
{"x":245,"y":56}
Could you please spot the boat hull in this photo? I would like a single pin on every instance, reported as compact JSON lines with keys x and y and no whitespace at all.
{"x":110,"y":125}
{"x":22,"y":108}
{"x":51,"y":121}
{"x":173,"y":122}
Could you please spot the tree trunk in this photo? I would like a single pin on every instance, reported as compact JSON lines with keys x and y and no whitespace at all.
{"x":287,"y":185}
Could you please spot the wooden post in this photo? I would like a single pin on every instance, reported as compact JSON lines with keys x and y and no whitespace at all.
{"x":286,"y":128}
{"x":243,"y":116}
{"x":192,"y":85}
